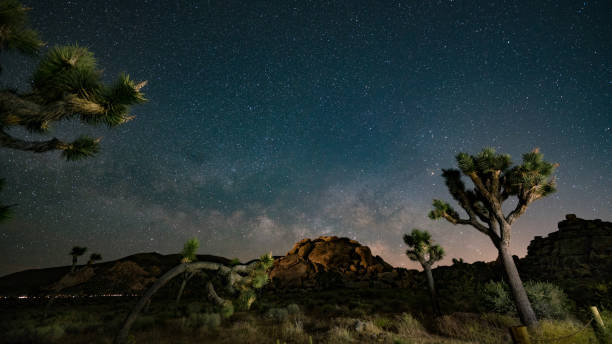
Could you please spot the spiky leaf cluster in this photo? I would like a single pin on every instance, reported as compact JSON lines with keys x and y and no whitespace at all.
{"x":82,"y":147}
{"x":440,"y":209}
{"x":422,"y":248}
{"x":70,"y":73}
{"x":78,"y":251}
{"x":14,"y":31}
{"x":259,"y":275}
{"x":189,"y":250}
{"x":534,"y":175}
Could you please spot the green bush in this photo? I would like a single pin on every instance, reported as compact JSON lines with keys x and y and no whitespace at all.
{"x":193,"y":307}
{"x":293,"y":308}
{"x":496,"y":298}
{"x":548,"y":300}
{"x":278,"y":314}
{"x":203,"y":321}
{"x":227,"y":309}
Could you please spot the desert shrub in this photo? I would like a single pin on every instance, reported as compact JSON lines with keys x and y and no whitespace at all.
{"x":548,"y":300}
{"x":292,"y":330}
{"x":496,"y":298}
{"x":34,"y":334}
{"x":278,"y":314}
{"x":333,"y":310}
{"x":383,"y":323}
{"x":227,"y":309}
{"x":408,"y":326}
{"x":555,"y":330}
{"x":241,"y":330}
{"x":293,"y":308}
{"x":203,"y":321}
{"x":470,"y":327}
{"x":51,"y":332}
{"x":339,"y":334}
{"x":193,"y":307}
{"x":245,"y":300}
{"x":143,"y":322}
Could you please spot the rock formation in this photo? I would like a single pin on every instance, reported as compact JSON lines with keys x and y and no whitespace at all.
{"x":330,"y":261}
{"x":579,"y":249}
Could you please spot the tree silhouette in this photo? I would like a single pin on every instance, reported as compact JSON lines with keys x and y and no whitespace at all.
{"x":76,"y":252}
{"x":495,"y":181}
{"x":423,"y":250}
{"x":66,"y":84}
{"x":94,"y":257}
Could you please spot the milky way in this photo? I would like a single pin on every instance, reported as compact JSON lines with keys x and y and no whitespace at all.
{"x":268,"y":122}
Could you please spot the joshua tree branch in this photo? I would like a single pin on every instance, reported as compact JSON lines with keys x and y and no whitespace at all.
{"x":495,"y":205}
{"x":9,"y":141}
{"x":21,"y":110}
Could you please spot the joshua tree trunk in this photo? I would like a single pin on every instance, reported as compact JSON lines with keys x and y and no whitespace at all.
{"x":523,"y":306}
{"x":74,"y":261}
{"x":432,"y":290}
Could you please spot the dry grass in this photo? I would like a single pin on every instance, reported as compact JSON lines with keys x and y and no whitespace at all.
{"x":97,"y":324}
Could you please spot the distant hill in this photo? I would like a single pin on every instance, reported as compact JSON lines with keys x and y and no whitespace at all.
{"x":578,"y":257}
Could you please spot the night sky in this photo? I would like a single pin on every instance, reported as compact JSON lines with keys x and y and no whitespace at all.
{"x":271,"y":121}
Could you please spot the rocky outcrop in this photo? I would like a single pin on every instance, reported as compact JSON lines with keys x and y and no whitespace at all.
{"x":577,"y":257}
{"x":579,"y":249}
{"x":331,"y":261}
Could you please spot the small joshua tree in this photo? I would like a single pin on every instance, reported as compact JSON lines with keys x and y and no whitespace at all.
{"x":76,"y":252}
{"x":66,"y":84}
{"x":188,"y":255}
{"x":422,"y":250}
{"x":94,"y":257}
{"x":495,"y":181}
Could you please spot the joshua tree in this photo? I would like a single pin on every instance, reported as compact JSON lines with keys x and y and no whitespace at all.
{"x":495,"y":181}
{"x":253,"y":275}
{"x":66,"y":84}
{"x":76,"y":252}
{"x":5,"y":210}
{"x":427,"y":254}
{"x":188,"y":255}
{"x":94,"y":257}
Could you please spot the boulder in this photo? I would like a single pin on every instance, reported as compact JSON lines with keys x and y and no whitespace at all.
{"x":328,"y":261}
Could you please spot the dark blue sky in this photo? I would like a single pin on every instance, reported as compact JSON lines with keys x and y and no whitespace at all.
{"x":270,"y":121}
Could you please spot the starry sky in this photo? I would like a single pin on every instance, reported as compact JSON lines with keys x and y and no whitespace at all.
{"x":271,"y":121}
